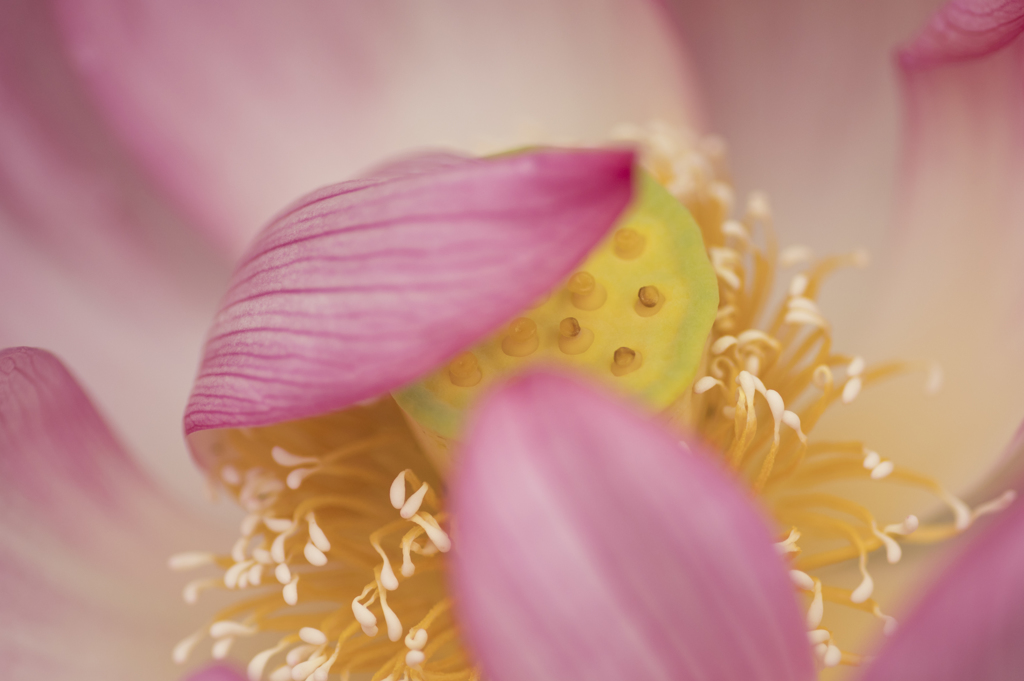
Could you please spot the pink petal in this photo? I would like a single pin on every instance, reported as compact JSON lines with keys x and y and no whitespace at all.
{"x":807,"y":98}
{"x":969,"y":624}
{"x":239,"y":109}
{"x":218,"y":672}
{"x":84,"y":583}
{"x":94,"y":263}
{"x":364,"y":286}
{"x":952,"y":279}
{"x":590,"y":545}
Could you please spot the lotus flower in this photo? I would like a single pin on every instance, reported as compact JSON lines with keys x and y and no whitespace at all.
{"x":548,"y":577}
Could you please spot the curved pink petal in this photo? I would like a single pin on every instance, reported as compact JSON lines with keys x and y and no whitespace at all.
{"x":589,"y":544}
{"x":85,"y":537}
{"x":951,"y":284}
{"x":969,"y":624}
{"x":807,"y":98}
{"x":240,"y":108}
{"x":95,"y":263}
{"x":364,"y":286}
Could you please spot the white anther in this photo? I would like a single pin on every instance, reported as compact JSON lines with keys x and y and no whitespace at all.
{"x":408,"y":568}
{"x":933,"y":383}
{"x":758,"y":207}
{"x":316,"y":535}
{"x":299,"y":654}
{"x":394,"y":624}
{"x":746,"y":381}
{"x":255,"y":574}
{"x":296,"y":477}
{"x":817,"y":609}
{"x":998,"y":504}
{"x":882,"y":470}
{"x":398,"y":491}
{"x":705,"y":384}
{"x":801,"y":580}
{"x":864,"y":589}
{"x":277,"y":547}
{"x":822,"y":376}
{"x":262,"y":556}
{"x":416,"y":639}
{"x":249,"y":524}
{"x":758,"y":383}
{"x":855,"y":367}
{"x":285,"y":458}
{"x":304,"y":670}
{"x":238,"y":549}
{"x":820,"y":650}
{"x":788,"y":545}
{"x":890,"y":625}
{"x":851,"y":389}
{"x":414,"y":657}
{"x":803,"y":304}
{"x":802,"y":317}
{"x":281,"y":674}
{"x":230,"y":475}
{"x":893,"y":552}
{"x":735,"y":228}
{"x":243,"y":581}
{"x":817,"y":636}
{"x":792,"y":420}
{"x":278,"y":525}
{"x":222,"y":647}
{"x":260,"y":491}
{"x":728,"y":277}
{"x":283,"y":573}
{"x":798,"y":285}
{"x":909,"y":524}
{"x":832,"y":656}
{"x":366,"y":619}
{"x":387,"y":575}
{"x":290,"y":592}
{"x":184,"y":647}
{"x":438,"y":536}
{"x":871,"y":459}
{"x":313,"y":636}
{"x":314,"y":555}
{"x":723,"y":344}
{"x":189,"y":560}
{"x":259,"y":661}
{"x":234,"y":573}
{"x":777,"y":406}
{"x":794,"y":255}
{"x":323,"y":670}
{"x":412,"y":504}
{"x":222,"y":628}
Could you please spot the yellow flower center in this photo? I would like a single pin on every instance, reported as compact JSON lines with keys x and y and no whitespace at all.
{"x":339,"y":567}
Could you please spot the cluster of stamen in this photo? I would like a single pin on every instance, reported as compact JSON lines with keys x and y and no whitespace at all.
{"x":334,"y":504}
{"x":769,"y":375}
{"x":317,"y":555}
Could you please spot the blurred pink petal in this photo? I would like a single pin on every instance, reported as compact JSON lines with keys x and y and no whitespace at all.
{"x":83,"y":553}
{"x":240,"y":108}
{"x":970,"y":623}
{"x":590,"y":544}
{"x":363,"y":286}
{"x":953,"y":286}
{"x":218,"y":672}
{"x":94,"y":263}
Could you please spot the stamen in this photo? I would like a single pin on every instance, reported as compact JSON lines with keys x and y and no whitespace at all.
{"x":572,"y":338}
{"x":586,"y":292}
{"x":521,"y":339}
{"x":628,"y":243}
{"x":464,"y":371}
{"x":625,"y":360}
{"x":189,"y":560}
{"x":285,"y":458}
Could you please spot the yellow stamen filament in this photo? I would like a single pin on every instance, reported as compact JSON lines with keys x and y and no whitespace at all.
{"x":628,"y":243}
{"x":464,"y":371}
{"x":586,"y":292}
{"x":521,"y":339}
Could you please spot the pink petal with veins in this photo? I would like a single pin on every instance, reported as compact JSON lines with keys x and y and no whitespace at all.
{"x":84,"y":583}
{"x":240,"y":108}
{"x":364,"y":286}
{"x":589,"y":543}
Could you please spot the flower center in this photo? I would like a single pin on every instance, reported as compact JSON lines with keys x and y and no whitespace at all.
{"x":339,"y":566}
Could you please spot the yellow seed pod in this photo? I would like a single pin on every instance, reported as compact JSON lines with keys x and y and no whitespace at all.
{"x":635,"y":314}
